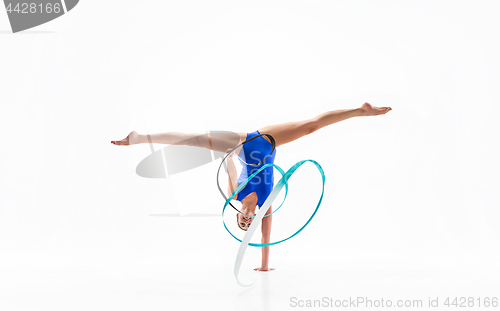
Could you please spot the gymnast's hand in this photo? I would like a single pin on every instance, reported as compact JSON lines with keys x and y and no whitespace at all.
{"x":263,"y":269}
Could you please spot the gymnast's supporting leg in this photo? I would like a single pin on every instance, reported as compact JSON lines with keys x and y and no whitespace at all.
{"x":290,"y":131}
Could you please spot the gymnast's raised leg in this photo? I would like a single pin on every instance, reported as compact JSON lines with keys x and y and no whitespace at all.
{"x":290,"y":131}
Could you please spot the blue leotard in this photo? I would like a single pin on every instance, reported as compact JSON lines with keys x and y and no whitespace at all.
{"x":254,"y":152}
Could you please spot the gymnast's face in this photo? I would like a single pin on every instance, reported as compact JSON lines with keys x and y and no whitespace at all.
{"x":244,"y":221}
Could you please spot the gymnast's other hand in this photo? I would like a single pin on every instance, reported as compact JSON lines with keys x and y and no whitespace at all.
{"x":263,"y":269}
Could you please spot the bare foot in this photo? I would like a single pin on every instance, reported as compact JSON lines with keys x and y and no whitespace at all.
{"x":369,"y":110}
{"x":131,"y":139}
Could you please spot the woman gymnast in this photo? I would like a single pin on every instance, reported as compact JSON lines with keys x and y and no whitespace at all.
{"x":258,"y":151}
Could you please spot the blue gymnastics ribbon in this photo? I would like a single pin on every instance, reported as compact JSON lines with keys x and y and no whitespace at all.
{"x":272,"y":196}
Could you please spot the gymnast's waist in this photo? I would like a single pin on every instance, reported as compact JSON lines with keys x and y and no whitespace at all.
{"x":265,"y":176}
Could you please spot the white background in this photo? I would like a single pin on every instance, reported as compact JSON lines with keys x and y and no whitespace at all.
{"x":409,"y":212}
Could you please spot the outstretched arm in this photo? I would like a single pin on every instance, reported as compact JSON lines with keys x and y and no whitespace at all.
{"x":266,"y":238}
{"x":233,"y":177}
